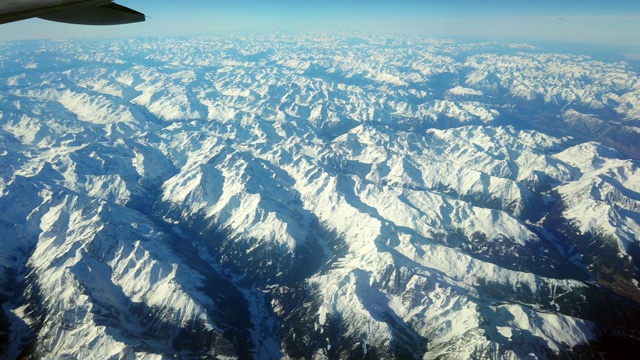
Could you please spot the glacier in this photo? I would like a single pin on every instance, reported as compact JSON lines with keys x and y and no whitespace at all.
{"x":325,"y":196}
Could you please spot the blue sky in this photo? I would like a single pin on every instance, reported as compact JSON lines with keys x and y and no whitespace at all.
{"x":610,"y":22}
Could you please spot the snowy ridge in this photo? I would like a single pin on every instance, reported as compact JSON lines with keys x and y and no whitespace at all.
{"x":316,"y":197}
{"x":97,"y":274}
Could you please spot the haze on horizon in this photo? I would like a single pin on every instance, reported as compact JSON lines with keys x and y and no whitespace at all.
{"x":608,"y":24}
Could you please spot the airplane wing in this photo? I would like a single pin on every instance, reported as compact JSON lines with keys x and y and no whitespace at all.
{"x":85,"y":12}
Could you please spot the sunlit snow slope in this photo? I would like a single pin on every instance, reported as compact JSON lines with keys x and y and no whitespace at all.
{"x":325,"y":196}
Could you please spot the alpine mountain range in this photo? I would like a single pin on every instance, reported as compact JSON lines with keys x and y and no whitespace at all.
{"x":323,"y":196}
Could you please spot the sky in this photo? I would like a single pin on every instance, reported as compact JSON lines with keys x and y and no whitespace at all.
{"x":599,"y":22}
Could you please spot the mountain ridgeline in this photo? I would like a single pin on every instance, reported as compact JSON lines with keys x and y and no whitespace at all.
{"x":316,"y":197}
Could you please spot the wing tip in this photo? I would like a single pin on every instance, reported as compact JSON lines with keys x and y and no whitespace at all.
{"x":109,"y":14}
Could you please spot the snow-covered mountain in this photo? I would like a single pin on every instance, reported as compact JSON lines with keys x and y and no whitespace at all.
{"x":316,"y":196}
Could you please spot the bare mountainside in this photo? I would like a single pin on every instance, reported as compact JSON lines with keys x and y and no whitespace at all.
{"x":325,"y":196}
